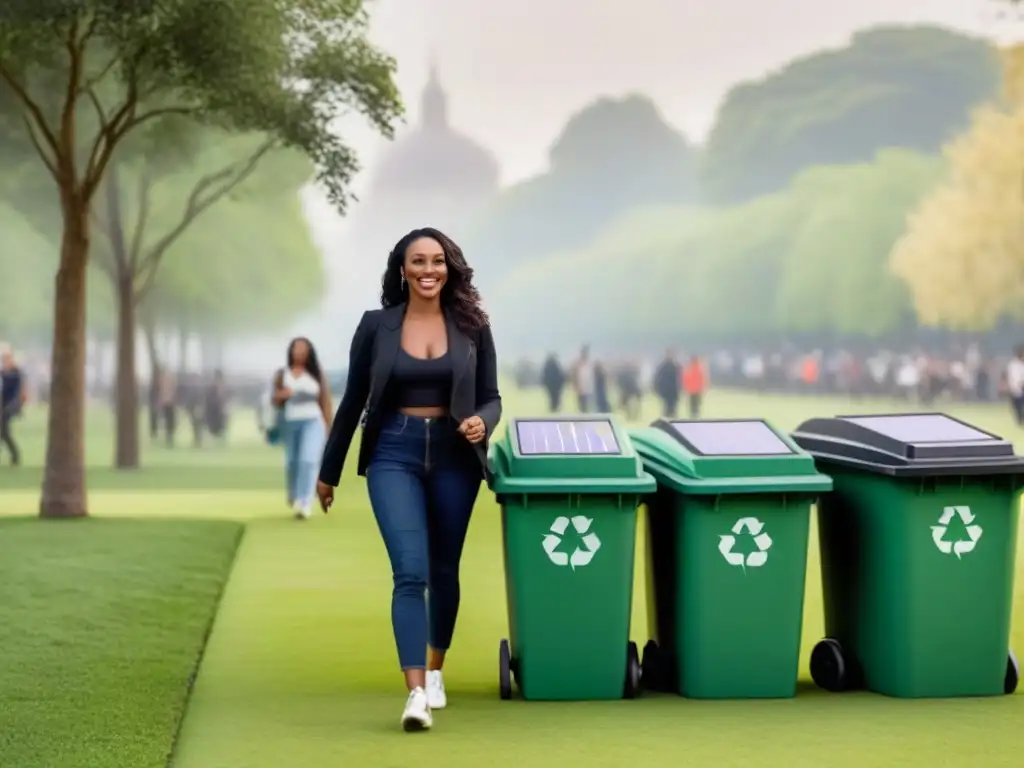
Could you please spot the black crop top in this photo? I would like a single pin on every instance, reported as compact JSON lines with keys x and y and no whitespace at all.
{"x":419,"y":383}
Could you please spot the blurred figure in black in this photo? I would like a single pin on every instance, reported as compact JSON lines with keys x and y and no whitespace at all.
{"x":666,"y":384}
{"x":630,"y":391}
{"x":192,"y":401}
{"x":215,"y":406}
{"x":13,"y":395}
{"x":552,"y":378}
{"x":154,"y":402}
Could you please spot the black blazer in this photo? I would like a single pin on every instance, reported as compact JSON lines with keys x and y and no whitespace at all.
{"x":375,"y":345}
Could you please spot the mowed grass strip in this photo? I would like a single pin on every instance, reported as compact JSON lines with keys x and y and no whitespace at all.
{"x":102,"y":623}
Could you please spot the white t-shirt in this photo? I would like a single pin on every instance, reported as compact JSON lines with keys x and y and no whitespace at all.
{"x":585,"y":377}
{"x":1015,"y":377}
{"x":305,"y":400}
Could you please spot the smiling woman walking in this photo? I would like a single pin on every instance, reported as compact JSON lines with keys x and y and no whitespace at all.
{"x":425,"y":371}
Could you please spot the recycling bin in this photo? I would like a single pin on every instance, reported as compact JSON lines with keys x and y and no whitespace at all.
{"x":918,"y":541}
{"x":727,"y":538}
{"x":569,"y":490}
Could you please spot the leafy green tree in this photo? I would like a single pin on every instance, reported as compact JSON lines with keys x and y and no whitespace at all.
{"x":286,"y":69}
{"x":813,"y":257}
{"x":225,"y":275}
{"x":148,"y":203}
{"x":836,"y":276}
{"x":613,"y":155}
{"x":891,"y":87}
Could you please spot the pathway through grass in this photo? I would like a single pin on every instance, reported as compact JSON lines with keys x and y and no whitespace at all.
{"x":301,"y":669}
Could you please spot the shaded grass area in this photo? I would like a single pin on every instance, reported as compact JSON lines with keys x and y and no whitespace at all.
{"x":102,"y":623}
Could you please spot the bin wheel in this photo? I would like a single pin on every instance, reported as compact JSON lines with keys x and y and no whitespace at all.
{"x":1012,"y":674}
{"x":650,"y":667}
{"x":632,"y":686}
{"x":504,"y":670}
{"x":829,"y":666}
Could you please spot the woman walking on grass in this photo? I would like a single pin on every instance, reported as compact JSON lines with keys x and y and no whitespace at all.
{"x":301,"y":392}
{"x":424,"y":369}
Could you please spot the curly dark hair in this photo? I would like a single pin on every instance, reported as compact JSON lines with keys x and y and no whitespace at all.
{"x":459,"y":296}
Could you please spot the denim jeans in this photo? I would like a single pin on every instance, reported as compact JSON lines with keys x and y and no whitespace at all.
{"x":423,"y":480}
{"x":303,"y":441}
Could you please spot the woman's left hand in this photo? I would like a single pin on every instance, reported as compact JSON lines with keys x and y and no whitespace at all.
{"x":473,"y":429}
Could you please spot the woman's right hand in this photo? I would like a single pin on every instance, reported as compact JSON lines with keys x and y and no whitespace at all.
{"x":325,"y":493}
{"x":282,"y":395}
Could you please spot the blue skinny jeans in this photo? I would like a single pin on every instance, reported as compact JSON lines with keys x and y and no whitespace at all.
{"x":423,"y":480}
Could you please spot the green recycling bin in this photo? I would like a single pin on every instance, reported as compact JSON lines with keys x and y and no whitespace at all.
{"x":727,"y":537}
{"x":569,"y":490}
{"x":918,"y":542}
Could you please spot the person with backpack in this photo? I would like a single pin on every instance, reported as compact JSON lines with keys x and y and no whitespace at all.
{"x":303,"y":402}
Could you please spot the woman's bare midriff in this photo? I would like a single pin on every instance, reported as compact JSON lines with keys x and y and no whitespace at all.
{"x":431,"y":412}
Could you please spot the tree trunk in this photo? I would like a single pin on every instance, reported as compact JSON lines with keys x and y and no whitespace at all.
{"x":126,"y":435}
{"x":126,"y":449}
{"x":64,"y":493}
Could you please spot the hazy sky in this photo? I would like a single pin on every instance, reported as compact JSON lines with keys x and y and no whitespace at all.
{"x":516,"y":69}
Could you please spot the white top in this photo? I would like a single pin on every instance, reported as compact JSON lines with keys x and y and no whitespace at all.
{"x":908,"y":375}
{"x":585,"y":377}
{"x":1015,"y":377}
{"x":305,"y":400}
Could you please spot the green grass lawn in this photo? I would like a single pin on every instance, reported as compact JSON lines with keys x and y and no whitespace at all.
{"x":301,"y":668}
{"x":102,"y":624}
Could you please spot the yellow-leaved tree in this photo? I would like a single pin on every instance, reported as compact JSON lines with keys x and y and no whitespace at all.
{"x":962,"y":255}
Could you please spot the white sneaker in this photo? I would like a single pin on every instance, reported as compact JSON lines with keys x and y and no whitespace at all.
{"x":416,"y":716}
{"x":436,"y":696}
{"x":301,"y":512}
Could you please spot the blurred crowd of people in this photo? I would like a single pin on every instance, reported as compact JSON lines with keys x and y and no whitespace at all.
{"x":676,"y":381}
{"x":203,"y":399}
{"x":680,"y":382}
{"x":922,"y":377}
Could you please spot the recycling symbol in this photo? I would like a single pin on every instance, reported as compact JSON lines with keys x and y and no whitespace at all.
{"x":580,"y":556}
{"x":961,"y":546}
{"x":762,"y":542}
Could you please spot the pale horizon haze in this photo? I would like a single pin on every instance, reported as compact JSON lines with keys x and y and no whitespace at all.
{"x":516,"y":71}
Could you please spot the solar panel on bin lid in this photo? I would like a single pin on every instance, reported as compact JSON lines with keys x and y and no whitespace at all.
{"x":920,"y":428}
{"x":567,"y":437}
{"x":731,"y":438}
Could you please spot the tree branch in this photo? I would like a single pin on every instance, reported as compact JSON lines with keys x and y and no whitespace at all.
{"x":207,"y":191}
{"x":110,"y":131}
{"x":142,"y":198}
{"x":33,"y":109}
{"x":68,"y":113}
{"x":50,"y":166}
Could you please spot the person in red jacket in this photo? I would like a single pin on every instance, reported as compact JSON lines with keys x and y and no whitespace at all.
{"x":695,"y":384}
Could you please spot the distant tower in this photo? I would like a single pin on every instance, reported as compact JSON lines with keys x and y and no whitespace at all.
{"x":434,"y":102}
{"x":432,"y":175}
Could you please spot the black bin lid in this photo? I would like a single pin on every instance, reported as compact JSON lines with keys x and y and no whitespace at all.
{"x":908,"y":445}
